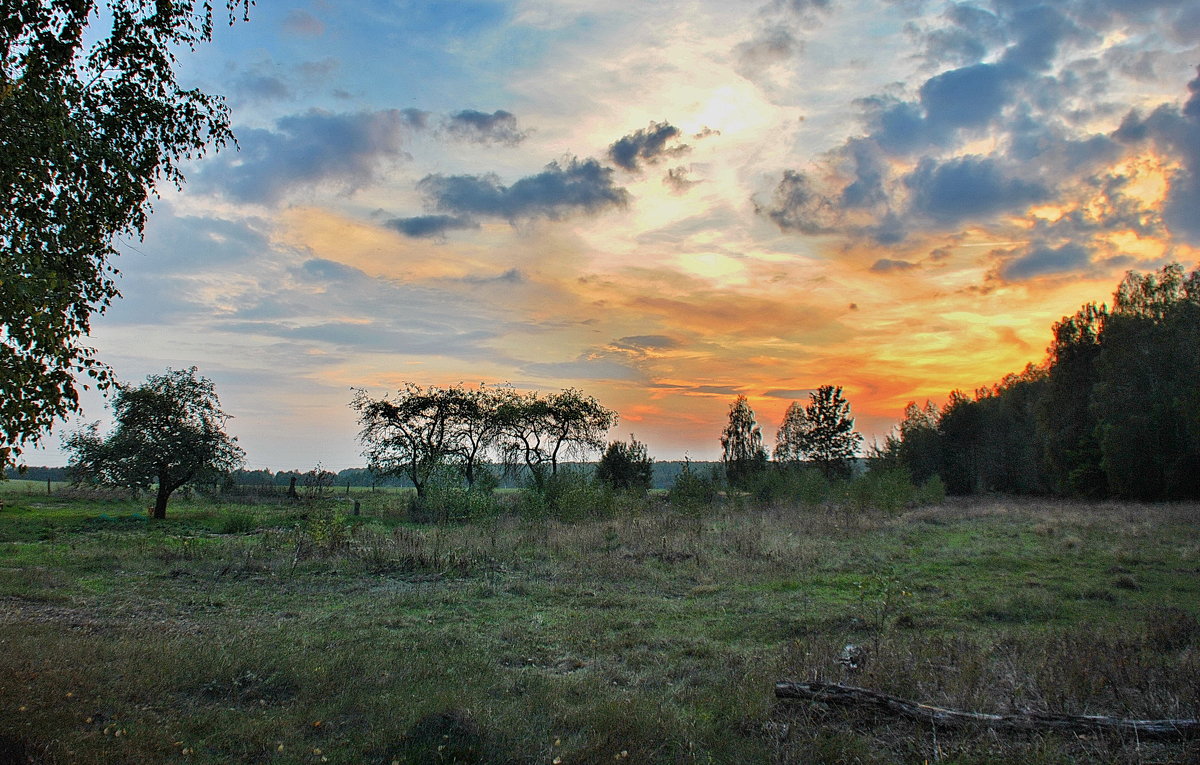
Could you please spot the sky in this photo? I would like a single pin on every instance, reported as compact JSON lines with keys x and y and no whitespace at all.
{"x":664,"y":204}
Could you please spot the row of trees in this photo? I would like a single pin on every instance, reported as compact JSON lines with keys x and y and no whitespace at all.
{"x":821,"y":433}
{"x":420,"y":432}
{"x":1114,"y":411}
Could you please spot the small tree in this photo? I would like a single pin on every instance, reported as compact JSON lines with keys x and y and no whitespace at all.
{"x":169,"y":431}
{"x":742,"y":444}
{"x":822,"y":432}
{"x":538,"y":431}
{"x":626,"y":466}
{"x":409,"y":435}
{"x":790,"y":438}
{"x":93,"y":120}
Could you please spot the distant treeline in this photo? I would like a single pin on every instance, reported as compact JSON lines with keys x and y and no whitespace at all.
{"x":1114,"y":411}
{"x":663,"y":476}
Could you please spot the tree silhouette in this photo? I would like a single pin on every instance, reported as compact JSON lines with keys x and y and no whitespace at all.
{"x":169,"y":431}
{"x":742,"y":445}
{"x":826,"y":433}
{"x":91,"y":123}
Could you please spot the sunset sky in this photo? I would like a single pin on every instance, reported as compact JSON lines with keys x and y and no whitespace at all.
{"x":665,"y":204}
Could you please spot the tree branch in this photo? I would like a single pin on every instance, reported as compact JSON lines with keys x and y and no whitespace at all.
{"x":846,"y":695}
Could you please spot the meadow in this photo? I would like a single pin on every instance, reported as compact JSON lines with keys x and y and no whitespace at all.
{"x":296,"y":633}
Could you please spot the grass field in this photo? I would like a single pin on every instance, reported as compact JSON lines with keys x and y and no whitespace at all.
{"x":294,"y":634}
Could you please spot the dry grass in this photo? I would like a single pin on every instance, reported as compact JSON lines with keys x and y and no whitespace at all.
{"x":657,"y":635}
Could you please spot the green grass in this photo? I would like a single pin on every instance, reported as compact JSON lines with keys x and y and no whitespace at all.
{"x":284,"y":633}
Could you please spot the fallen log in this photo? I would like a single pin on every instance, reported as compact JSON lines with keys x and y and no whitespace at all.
{"x":848,"y":695}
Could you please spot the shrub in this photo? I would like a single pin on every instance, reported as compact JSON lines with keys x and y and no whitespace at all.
{"x":932,"y":492}
{"x":239,"y":523}
{"x":447,"y":501}
{"x":573,"y":494}
{"x":691,"y":492}
{"x":626,"y":466}
{"x":888,"y":489}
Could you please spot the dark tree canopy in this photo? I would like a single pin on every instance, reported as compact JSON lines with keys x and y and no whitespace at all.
{"x":420,"y":431}
{"x":822,"y":432}
{"x":539,"y":431}
{"x":742,"y":448}
{"x":91,"y":120}
{"x":1113,"y":411}
{"x":169,"y":431}
{"x":413,"y":433}
{"x":626,"y":466}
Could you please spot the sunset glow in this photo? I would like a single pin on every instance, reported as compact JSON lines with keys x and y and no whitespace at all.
{"x":664,"y":204}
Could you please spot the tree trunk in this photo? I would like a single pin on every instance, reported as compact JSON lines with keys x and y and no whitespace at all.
{"x":160,"y":499}
{"x":846,"y":695}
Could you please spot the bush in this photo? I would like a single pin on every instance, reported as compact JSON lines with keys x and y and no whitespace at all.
{"x":239,"y":523}
{"x":888,"y":489}
{"x":446,"y":500}
{"x":568,"y":495}
{"x":791,"y":483}
{"x":626,"y":466}
{"x":691,"y":492}
{"x":932,"y":492}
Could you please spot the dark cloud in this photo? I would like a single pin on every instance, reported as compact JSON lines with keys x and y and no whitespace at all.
{"x":318,"y":147}
{"x":806,"y":9}
{"x":772,"y":46}
{"x":794,"y":394}
{"x":330,"y":270}
{"x":1176,"y":131}
{"x":584,"y":368}
{"x":797,"y":206}
{"x":1039,"y":30}
{"x":498,"y":127}
{"x":647,"y":145}
{"x":320,"y":69}
{"x":966,"y":188}
{"x":415,"y":118}
{"x":508,"y":277}
{"x":1042,"y":260}
{"x":261,"y":87}
{"x":970,"y":34}
{"x":677,"y":179}
{"x":970,"y":96}
{"x":886,"y":265}
{"x":430,"y":225}
{"x":868,"y":168}
{"x":556,"y":192}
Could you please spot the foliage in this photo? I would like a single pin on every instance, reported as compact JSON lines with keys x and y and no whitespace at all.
{"x":92,"y":120}
{"x":742,"y":445}
{"x":413,"y":434}
{"x":317,"y":481}
{"x":569,"y":495}
{"x":169,"y":431}
{"x":421,"y":431}
{"x":446,"y":501}
{"x":823,"y":432}
{"x":1114,"y":411}
{"x":887,"y":490}
{"x":538,"y":431}
{"x":626,"y":466}
{"x":790,"y":483}
{"x":690,"y":492}
{"x":918,"y":448}
{"x":1146,"y":398}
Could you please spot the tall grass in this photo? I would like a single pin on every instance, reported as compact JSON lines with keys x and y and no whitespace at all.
{"x":651,"y":635}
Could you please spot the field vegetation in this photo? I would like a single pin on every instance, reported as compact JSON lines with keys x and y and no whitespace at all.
{"x":644,"y":629}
